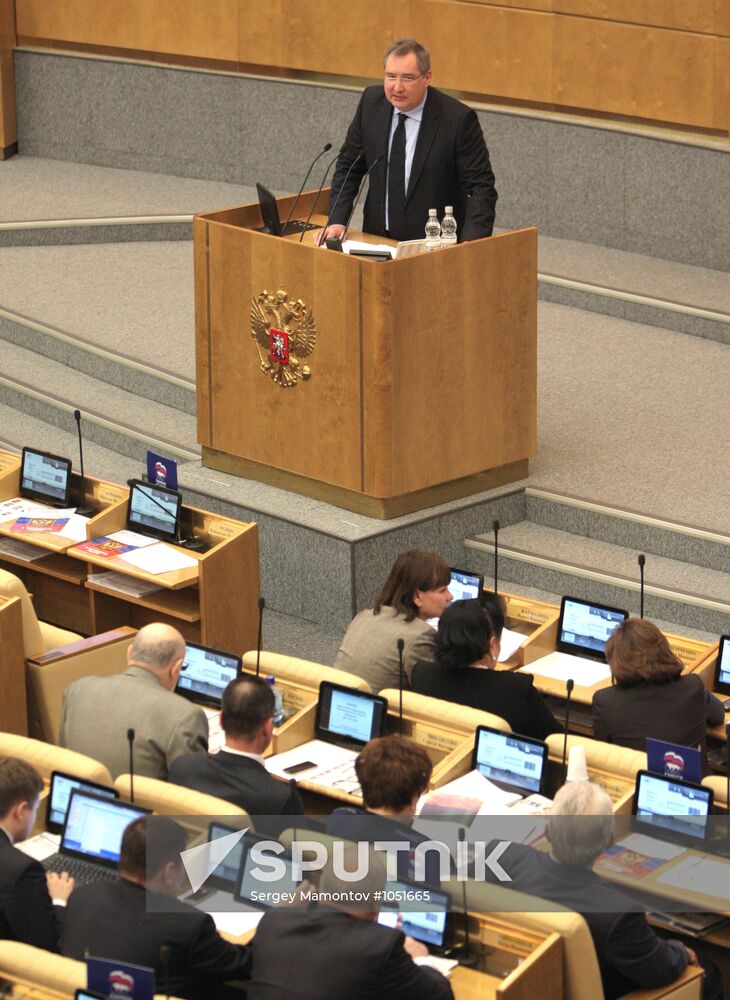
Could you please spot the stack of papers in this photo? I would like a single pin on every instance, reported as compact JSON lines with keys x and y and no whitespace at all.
{"x":563,"y":666}
{"x":159,"y":558}
{"x":17,"y":507}
{"x":124,"y":584}
{"x":21,"y":550}
{"x":488,"y":798}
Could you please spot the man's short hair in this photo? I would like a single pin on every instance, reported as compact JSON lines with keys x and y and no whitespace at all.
{"x":19,"y":782}
{"x":402,"y":46}
{"x":580,"y":825}
{"x":155,"y":652}
{"x":149,"y":843}
{"x":247,"y":703}
{"x":392,"y":771}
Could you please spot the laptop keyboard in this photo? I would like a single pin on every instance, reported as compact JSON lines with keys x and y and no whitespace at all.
{"x":82,"y":871}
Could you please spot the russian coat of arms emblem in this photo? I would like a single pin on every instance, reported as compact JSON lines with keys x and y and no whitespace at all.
{"x":284,"y":332}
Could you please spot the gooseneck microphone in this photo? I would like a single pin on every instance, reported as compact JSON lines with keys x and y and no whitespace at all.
{"x":165,"y":953}
{"x":495,"y":529}
{"x":316,"y":200}
{"x":642,"y":563}
{"x":259,"y":642}
{"x":375,"y":162}
{"x":82,"y":509}
{"x":467,"y":958}
{"x":569,"y":685}
{"x":401,"y":645}
{"x":337,"y":199}
{"x":130,"y":740}
{"x":326,"y":149}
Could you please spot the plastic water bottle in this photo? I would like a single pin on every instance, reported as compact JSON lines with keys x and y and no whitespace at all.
{"x":278,"y":700}
{"x":433,"y":228}
{"x":448,"y":226}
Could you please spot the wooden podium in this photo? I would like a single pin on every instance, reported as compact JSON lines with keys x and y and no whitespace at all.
{"x":421,"y":382}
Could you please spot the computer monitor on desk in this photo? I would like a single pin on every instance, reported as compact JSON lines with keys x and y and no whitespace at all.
{"x":153,"y":510}
{"x":45,"y":478}
{"x":670,"y":809}
{"x":515,"y":763}
{"x":206,"y":673}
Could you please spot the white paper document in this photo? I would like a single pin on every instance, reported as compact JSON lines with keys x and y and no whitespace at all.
{"x":21,"y":550}
{"x":442,"y":965}
{"x":216,"y":736}
{"x":10,"y":510}
{"x":124,"y":584}
{"x":652,"y":848}
{"x":159,"y":558}
{"x":237,"y":923}
{"x":40,"y":847}
{"x":563,"y":666}
{"x":474,"y":786}
{"x":126,"y":537}
{"x":699,"y":873}
{"x":75,"y":528}
{"x":349,"y":245}
{"x":332,"y":766}
{"x":510,"y":643}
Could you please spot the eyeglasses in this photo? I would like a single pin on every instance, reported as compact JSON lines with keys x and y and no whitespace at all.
{"x":405,"y":80}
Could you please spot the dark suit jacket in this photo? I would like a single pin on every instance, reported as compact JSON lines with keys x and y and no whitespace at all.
{"x":239,"y":780}
{"x":122,"y":920}
{"x":509,"y":695}
{"x":630,"y":954}
{"x":26,"y":911}
{"x":450,"y":167}
{"x":361,"y":825}
{"x":323,"y":954}
{"x":677,"y":712}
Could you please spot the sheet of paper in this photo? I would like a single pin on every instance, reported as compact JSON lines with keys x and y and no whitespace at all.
{"x":75,"y":528}
{"x":562,"y":667}
{"x":132,"y":538}
{"x":125,"y":584}
{"x":442,"y":965}
{"x":17,"y":507}
{"x":701,"y":874}
{"x":511,"y":642}
{"x":652,"y":848}
{"x":21,"y":550}
{"x":237,"y":924}
{"x":349,"y":245}
{"x":159,"y":558}
{"x":40,"y":847}
{"x":475,"y":786}
{"x":323,"y":756}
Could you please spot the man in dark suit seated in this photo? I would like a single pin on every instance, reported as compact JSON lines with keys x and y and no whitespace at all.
{"x":138,"y":918}
{"x":430,"y":153}
{"x":630,"y":955}
{"x":336,"y":949}
{"x":237,"y":772}
{"x":27,"y":894}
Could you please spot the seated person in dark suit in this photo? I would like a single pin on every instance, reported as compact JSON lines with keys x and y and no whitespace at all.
{"x":138,"y":916}
{"x":630,"y":955}
{"x":237,"y":772}
{"x":27,"y":894}
{"x":650,"y":696}
{"x":467,"y":648}
{"x":393,"y":773}
{"x":327,"y":952}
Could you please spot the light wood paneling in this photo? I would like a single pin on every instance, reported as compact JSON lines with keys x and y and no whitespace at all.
{"x":202,"y":330}
{"x":13,"y":707}
{"x":721,"y":87}
{"x":8,"y":134}
{"x":695,"y":15}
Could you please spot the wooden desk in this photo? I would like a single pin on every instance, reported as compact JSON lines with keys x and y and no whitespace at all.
{"x":13,"y":704}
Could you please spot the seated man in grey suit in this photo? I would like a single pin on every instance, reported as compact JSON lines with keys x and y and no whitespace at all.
{"x":237,"y":772}
{"x":98,"y":712}
{"x":26,"y":892}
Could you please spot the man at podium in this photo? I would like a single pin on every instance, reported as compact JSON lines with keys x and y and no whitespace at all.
{"x":421,"y":150}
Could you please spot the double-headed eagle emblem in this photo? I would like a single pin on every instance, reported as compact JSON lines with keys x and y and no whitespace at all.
{"x":284,"y":332}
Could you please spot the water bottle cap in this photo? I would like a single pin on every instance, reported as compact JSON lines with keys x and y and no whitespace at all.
{"x":449,"y":210}
{"x":432,"y":213}
{"x":271,"y":679}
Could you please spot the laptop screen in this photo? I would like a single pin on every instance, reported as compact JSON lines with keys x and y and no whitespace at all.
{"x":428,"y":927}
{"x":465,"y":586}
{"x":347,"y":715}
{"x":95,"y":826}
{"x":722,"y":671}
{"x":60,"y":792}
{"x":584,"y":628}
{"x":671,"y":806}
{"x":46,"y":478}
{"x":255,"y":891}
{"x":153,"y":510}
{"x":206,"y":673}
{"x":517,"y":763}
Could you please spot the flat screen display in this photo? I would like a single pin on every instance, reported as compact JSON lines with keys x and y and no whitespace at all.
{"x":153,"y":510}
{"x":722,"y":670}
{"x":60,"y":793}
{"x":670,"y":806}
{"x":345,"y":715}
{"x":514,"y":762}
{"x":206,"y":673}
{"x":45,"y":478}
{"x":584,"y":628}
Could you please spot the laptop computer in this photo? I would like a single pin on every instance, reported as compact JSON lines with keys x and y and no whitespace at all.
{"x":45,"y":478}
{"x":514,"y":763}
{"x":59,"y":794}
{"x":91,"y":841}
{"x":345,"y":721}
{"x":270,"y":215}
{"x":430,"y":926}
{"x":206,"y":673}
{"x":670,"y":809}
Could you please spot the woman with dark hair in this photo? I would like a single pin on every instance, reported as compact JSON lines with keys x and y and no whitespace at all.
{"x":467,"y":649}
{"x":417,"y":588}
{"x":649,"y":695}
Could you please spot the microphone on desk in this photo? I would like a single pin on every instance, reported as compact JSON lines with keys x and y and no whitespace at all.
{"x":130,"y":740}
{"x":337,"y":199}
{"x":401,"y":645}
{"x":82,"y":509}
{"x":359,"y":190}
{"x":495,"y":529}
{"x":316,"y":200}
{"x":192,"y":543}
{"x":259,"y":643}
{"x":642,"y":563}
{"x":165,"y":953}
{"x":569,"y":685}
{"x":467,"y":957}
{"x":326,"y":149}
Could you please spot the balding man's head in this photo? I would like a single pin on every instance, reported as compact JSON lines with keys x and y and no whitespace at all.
{"x":161,"y":649}
{"x":580,"y":826}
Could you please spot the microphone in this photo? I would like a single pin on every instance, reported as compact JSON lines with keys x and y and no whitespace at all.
{"x":314,"y":203}
{"x":165,"y":952}
{"x":400,"y":644}
{"x":130,"y":739}
{"x":339,"y":195}
{"x":83,"y":510}
{"x":375,"y":162}
{"x":642,"y":563}
{"x":326,"y":149}
{"x":467,"y":958}
{"x":569,"y":685}
{"x":495,"y":529}
{"x":192,"y":543}
{"x":262,"y":605}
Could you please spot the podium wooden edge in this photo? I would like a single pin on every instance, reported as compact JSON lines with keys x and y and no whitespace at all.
{"x":382,"y":508}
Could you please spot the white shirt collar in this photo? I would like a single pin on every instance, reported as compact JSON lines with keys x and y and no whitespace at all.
{"x":415,"y":114}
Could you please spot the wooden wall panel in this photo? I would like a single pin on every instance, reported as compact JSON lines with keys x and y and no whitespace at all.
{"x":722,"y":84}
{"x":684,"y":15}
{"x":8,"y":134}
